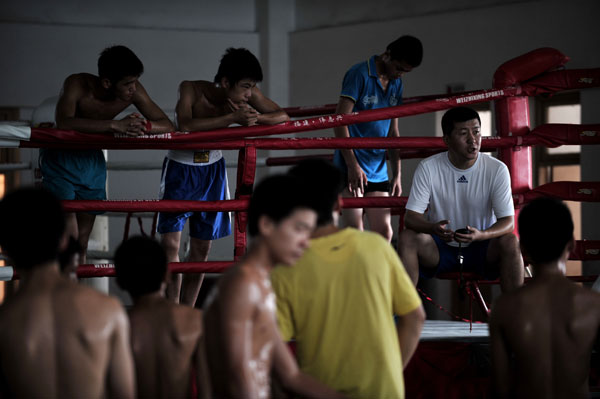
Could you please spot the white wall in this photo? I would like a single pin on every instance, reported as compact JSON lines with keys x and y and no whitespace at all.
{"x":195,"y":15}
{"x":316,"y":14}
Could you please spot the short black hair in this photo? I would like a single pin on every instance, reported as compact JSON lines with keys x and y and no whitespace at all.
{"x":325,"y":182}
{"x":118,"y":62}
{"x":277,"y":197}
{"x":32,"y":227}
{"x":237,"y":64}
{"x":408,"y":49}
{"x":457,"y":114}
{"x":545,"y":229}
{"x":141,"y":265}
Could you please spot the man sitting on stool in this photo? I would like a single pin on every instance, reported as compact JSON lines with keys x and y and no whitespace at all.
{"x":461,"y":188}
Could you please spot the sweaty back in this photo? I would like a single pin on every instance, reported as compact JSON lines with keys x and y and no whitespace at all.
{"x":165,"y":339}
{"x":551,"y":328}
{"x":55,"y":340}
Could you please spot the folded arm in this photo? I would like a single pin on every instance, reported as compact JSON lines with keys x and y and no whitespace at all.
{"x":66,"y":108}
{"x":269,"y":112}
{"x":159,"y":122}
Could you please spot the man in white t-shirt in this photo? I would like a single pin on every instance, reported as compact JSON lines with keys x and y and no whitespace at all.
{"x":461,"y":189}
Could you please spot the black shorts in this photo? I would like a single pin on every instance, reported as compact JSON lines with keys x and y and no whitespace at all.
{"x":380,"y":186}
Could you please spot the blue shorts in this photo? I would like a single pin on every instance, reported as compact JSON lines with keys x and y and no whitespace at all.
{"x":375,"y":168}
{"x":74,"y":174}
{"x":473,"y":260}
{"x":199,"y":183}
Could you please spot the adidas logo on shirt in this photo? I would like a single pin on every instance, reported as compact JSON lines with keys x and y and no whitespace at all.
{"x":462,"y":179}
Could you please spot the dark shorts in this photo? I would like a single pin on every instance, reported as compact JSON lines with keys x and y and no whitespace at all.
{"x":473,"y":260}
{"x":74,"y":174}
{"x":380,"y":186}
{"x":199,"y":183}
{"x":372,"y":187}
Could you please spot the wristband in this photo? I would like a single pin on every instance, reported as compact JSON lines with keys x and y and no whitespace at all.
{"x":148,"y":126}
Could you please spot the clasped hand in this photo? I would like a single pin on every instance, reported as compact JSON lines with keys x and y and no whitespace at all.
{"x":243,"y":113}
{"x":132,"y":125}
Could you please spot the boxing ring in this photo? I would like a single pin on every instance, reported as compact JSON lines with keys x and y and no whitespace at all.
{"x":531,"y":74}
{"x":538,"y":72}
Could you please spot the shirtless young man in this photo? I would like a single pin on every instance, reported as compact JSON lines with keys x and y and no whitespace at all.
{"x":89,"y":103}
{"x":200,"y":175}
{"x":165,"y":337}
{"x":542,"y":334}
{"x":243,"y":344}
{"x":58,"y":339}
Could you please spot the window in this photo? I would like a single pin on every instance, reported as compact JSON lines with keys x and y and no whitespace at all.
{"x":485,"y":114}
{"x":561,"y":163}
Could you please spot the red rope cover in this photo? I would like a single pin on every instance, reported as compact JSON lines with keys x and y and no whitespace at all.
{"x":571,"y":191}
{"x":53,"y":138}
{"x":551,"y":135}
{"x":108,"y":269}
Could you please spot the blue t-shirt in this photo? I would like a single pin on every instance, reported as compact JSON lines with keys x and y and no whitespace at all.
{"x":362,"y":86}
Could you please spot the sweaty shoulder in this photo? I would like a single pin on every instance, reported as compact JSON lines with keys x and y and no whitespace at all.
{"x":96,"y":304}
{"x":242,"y":278}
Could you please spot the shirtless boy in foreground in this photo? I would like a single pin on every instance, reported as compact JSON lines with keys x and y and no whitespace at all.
{"x":242,"y":340}
{"x":89,"y":103}
{"x":542,"y":334}
{"x":165,"y":337}
{"x":58,"y":339}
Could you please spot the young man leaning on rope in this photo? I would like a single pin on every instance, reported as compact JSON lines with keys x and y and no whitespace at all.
{"x":232,"y":98}
{"x":89,"y":103}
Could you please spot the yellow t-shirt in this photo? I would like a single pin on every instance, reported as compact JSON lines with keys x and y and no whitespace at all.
{"x":338,"y":303}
